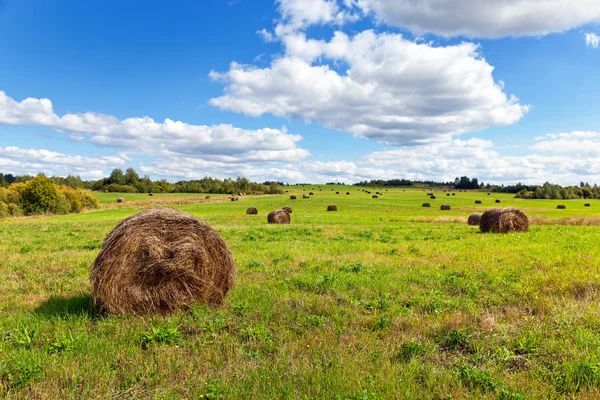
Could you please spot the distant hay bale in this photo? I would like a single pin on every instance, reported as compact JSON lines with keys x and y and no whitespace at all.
{"x":279,"y":217}
{"x":375,"y":196}
{"x":161,"y":260}
{"x":120,"y":200}
{"x":478,"y":202}
{"x":453,"y":194}
{"x":235,"y":198}
{"x":288,"y":209}
{"x":305,"y":196}
{"x":445,"y":207}
{"x":432,"y":197}
{"x":331,"y":207}
{"x":488,"y":193}
{"x":447,"y":194}
{"x":150,"y":194}
{"x":504,"y":220}
{"x":561,"y":207}
{"x":311,"y":194}
{"x":474,"y":219}
{"x":426,"y":205}
{"x":347,"y":193}
{"x":252,"y":211}
{"x":587,"y":205}
{"x":497,"y":201}
{"x":293,"y":197}
{"x":337,"y":192}
{"x":105,"y":191}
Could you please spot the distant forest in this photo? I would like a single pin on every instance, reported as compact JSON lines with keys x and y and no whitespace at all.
{"x":131,"y":182}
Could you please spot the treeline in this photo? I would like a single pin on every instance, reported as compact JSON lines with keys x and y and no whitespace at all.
{"x":131,"y":182}
{"x":551,"y":191}
{"x":463,"y":182}
{"x":41,"y":195}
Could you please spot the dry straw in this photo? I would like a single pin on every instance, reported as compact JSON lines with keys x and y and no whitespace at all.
{"x":474,"y":219}
{"x":331,"y":207}
{"x":478,"y":202}
{"x":445,"y":207}
{"x":288,"y":209}
{"x":561,"y":207}
{"x":120,"y":200}
{"x":504,"y":220}
{"x":305,"y":196}
{"x":293,"y":197}
{"x":252,"y":211}
{"x":426,"y":205}
{"x":161,"y":260}
{"x":279,"y":217}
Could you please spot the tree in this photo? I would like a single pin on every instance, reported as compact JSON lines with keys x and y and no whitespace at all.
{"x":131,"y":177}
{"x":116,"y":176}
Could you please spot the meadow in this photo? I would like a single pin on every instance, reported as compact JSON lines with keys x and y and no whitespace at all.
{"x":382,"y":299}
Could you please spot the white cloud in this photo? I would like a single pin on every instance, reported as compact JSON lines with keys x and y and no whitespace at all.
{"x":483,"y":18}
{"x":300,"y":14}
{"x":393,"y":90}
{"x":144,"y":135}
{"x":33,"y":161}
{"x":592,"y":40}
{"x":577,"y":144}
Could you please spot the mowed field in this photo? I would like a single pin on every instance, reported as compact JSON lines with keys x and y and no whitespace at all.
{"x":382,"y":299}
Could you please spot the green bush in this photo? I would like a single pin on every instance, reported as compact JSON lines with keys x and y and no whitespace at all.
{"x":14,"y":210}
{"x":40,"y":195}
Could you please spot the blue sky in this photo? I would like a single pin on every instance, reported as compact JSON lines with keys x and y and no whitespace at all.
{"x":302,"y":90}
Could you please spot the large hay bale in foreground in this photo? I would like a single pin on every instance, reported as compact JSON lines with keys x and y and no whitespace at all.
{"x":288,"y":209}
{"x":161,"y":260}
{"x":504,"y":220}
{"x":474,"y":219}
{"x":561,"y":207}
{"x":445,"y":207}
{"x":331,"y":207}
{"x":426,"y":205}
{"x":120,"y":200}
{"x":293,"y":197}
{"x":279,"y":217}
{"x":252,"y":211}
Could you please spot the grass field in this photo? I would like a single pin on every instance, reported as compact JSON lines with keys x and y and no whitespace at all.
{"x":383,"y":299}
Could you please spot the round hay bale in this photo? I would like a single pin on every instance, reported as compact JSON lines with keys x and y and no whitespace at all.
{"x":432,"y":197}
{"x":252,"y":211}
{"x":453,"y":194}
{"x":235,"y":198}
{"x":447,"y":194}
{"x":504,"y":220}
{"x":587,"y":205}
{"x":337,"y":192}
{"x":105,"y":191}
{"x":161,"y":260}
{"x":150,"y":194}
{"x":478,"y":202}
{"x":561,"y":207}
{"x":474,"y":219}
{"x":279,"y":217}
{"x":311,"y":194}
{"x":331,"y":207}
{"x":445,"y":207}
{"x":305,"y":196}
{"x":426,"y":205}
{"x":488,"y":194}
{"x":288,"y":209}
{"x":292,"y":197}
{"x":375,"y":196}
{"x":120,"y":200}
{"x":497,"y":201}
{"x":347,"y":193}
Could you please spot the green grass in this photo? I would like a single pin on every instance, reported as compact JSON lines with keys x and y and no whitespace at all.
{"x":382,"y":299}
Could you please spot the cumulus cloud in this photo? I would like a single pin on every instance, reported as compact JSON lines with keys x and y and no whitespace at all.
{"x":217,"y":142}
{"x":300,"y":14}
{"x":392,"y":90}
{"x":482,"y":19}
{"x":33,"y":161}
{"x":592,"y":40}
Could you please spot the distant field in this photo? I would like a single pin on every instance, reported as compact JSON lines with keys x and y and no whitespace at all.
{"x":111,"y":198}
{"x":382,"y":299}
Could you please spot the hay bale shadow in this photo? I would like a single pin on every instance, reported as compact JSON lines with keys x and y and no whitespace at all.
{"x":68,"y":306}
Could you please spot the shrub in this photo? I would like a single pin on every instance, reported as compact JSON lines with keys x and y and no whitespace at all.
{"x":14,"y":210}
{"x":40,"y":195}
{"x":4,"y":210}
{"x":79,"y":199}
